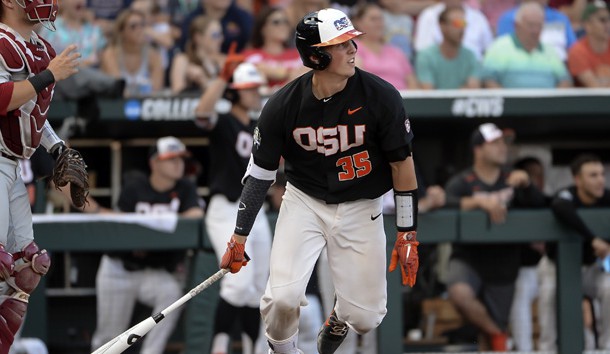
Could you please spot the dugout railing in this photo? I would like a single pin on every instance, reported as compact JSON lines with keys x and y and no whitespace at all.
{"x":435,"y":227}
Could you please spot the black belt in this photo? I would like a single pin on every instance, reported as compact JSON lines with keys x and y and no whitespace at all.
{"x":10,"y":157}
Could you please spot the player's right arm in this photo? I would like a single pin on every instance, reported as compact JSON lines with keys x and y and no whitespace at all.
{"x":61,"y":67}
{"x":260,"y":175}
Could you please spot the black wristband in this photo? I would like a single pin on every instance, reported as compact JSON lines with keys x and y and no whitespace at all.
{"x":42,"y":80}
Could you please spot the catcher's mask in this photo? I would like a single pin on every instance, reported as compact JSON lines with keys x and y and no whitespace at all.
{"x":43,"y":11}
{"x":322,"y":29}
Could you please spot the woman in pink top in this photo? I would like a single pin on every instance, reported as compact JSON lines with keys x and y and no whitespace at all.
{"x":375,"y":55}
{"x":270,"y":50}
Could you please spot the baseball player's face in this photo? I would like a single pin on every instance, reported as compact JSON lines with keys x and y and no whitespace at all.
{"x":250,"y":99}
{"x":343,"y":61}
{"x":172,"y":168}
{"x":495,"y":152}
{"x":591,"y":180}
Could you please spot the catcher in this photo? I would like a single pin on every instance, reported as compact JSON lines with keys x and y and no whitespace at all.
{"x":29,"y":68}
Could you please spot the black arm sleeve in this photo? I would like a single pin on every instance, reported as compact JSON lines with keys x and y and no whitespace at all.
{"x":252,"y":198}
{"x":566,"y":213}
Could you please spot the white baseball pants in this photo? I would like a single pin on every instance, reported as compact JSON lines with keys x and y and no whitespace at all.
{"x":356,"y":256}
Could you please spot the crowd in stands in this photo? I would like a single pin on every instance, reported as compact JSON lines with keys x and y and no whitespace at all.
{"x":172,"y":47}
{"x":139,"y":48}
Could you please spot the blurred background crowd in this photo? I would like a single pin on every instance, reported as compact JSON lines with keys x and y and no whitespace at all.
{"x":171,"y":48}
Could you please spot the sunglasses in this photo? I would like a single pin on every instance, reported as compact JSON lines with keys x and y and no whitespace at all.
{"x":135,"y":25}
{"x":458,"y":23}
{"x":279,"y":21}
{"x":216,"y":35}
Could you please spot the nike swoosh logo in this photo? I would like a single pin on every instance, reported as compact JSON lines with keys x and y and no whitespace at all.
{"x":327,"y":99}
{"x":352,"y":111}
{"x":242,"y":206}
{"x":373,"y":218}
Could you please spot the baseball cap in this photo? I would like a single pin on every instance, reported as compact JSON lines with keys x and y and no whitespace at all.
{"x":485,"y":133}
{"x":246,"y":76}
{"x":167,"y":148}
{"x":334,"y":27}
{"x":592,"y":8}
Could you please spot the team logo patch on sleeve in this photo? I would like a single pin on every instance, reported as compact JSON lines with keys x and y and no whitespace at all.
{"x":257,"y":138}
{"x":408,"y":125}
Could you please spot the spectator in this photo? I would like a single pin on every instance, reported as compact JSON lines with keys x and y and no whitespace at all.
{"x":448,"y":65}
{"x":131,"y":57}
{"x":126,"y":277}
{"x":589,"y":58}
{"x":556,"y":31}
{"x":202,"y":59}
{"x":481,"y":277}
{"x":297,"y":9}
{"x":105,"y":12}
{"x":157,"y":28}
{"x":477,"y":36}
{"x":73,"y":27}
{"x":236,"y":22}
{"x":493,"y":9}
{"x":520,"y":60}
{"x":573,"y":9}
{"x":398,"y":25}
{"x":230,"y":147}
{"x":375,"y":55}
{"x":526,"y":285}
{"x":271,"y":52}
{"x":588,"y":191}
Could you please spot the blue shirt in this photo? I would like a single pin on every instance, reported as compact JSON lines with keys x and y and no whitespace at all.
{"x":557,"y":29}
{"x":236,"y":26}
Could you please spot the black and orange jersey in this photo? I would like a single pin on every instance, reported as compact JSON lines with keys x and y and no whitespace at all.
{"x":338,"y":148}
{"x":230,"y":147}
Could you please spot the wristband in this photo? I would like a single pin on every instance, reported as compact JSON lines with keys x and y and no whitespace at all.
{"x":57,"y":149}
{"x":42,"y":80}
{"x":406,"y":210}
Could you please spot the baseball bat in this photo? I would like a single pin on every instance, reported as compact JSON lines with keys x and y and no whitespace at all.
{"x":126,"y":339}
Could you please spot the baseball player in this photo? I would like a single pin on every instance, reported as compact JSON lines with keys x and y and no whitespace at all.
{"x":146,"y":276}
{"x":29,"y":69}
{"x":230,"y":148}
{"x":346,"y":140}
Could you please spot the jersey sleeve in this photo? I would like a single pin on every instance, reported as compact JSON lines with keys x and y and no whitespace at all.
{"x":455,"y":189}
{"x":268,"y":136}
{"x":394,"y":125}
{"x":188,"y":197}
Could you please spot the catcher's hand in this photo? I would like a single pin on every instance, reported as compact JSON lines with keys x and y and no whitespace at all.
{"x":70,"y":167}
{"x":405,"y":251}
{"x":235,"y":256}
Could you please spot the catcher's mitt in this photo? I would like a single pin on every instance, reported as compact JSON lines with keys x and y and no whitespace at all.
{"x":70,"y":167}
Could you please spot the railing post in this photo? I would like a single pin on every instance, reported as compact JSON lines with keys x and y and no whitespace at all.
{"x":569,"y":297}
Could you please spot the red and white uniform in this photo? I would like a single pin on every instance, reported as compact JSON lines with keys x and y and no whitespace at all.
{"x":24,"y":129}
{"x":21,"y":131}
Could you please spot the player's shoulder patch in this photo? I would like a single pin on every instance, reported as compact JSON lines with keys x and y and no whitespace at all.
{"x":11,"y":55}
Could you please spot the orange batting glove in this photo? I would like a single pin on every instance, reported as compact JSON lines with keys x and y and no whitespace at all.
{"x":405,"y":251}
{"x":235,"y":256}
{"x":231,"y":62}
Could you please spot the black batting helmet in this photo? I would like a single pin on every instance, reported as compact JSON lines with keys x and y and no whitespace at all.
{"x":321,"y":29}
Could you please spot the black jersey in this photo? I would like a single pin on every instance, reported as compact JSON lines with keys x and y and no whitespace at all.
{"x":565,"y":205}
{"x":139,"y":196}
{"x":230,"y":148}
{"x":338,"y":148}
{"x":497,"y":262}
